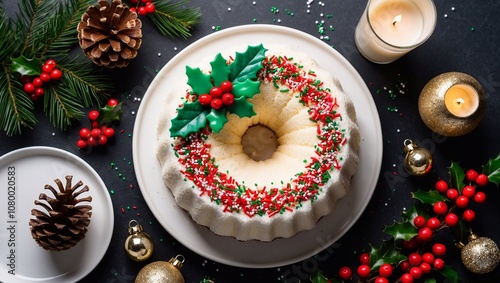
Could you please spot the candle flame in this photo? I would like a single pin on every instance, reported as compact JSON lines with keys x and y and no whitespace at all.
{"x":396,"y":19}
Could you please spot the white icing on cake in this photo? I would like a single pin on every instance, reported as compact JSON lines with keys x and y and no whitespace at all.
{"x":297,"y":136}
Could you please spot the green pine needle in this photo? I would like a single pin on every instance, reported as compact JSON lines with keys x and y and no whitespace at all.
{"x":61,"y":107}
{"x":173,"y":19}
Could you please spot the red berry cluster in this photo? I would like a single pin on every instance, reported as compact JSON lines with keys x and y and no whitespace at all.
{"x":218,"y":96}
{"x":422,"y":261}
{"x":143,"y":7}
{"x":33,"y":86}
{"x":97,"y":134}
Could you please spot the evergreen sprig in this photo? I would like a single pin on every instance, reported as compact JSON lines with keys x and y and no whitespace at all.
{"x":46,"y":29}
{"x":173,"y":19}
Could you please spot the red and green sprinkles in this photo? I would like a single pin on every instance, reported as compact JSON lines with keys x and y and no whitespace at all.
{"x":200,"y":168}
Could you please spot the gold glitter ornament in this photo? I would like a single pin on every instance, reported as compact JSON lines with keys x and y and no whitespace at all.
{"x":418,"y":161}
{"x":162,"y":271}
{"x":480,"y":255}
{"x":138,"y":244}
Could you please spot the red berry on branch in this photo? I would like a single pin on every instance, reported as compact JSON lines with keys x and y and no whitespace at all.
{"x":482,"y":180}
{"x":419,"y":221}
{"x":385,"y":270}
{"x":133,"y":9}
{"x":205,"y":99}
{"x":411,"y":244}
{"x":440,"y":208}
{"x":146,"y":1}
{"x":94,"y":124}
{"x":480,"y":197}
{"x":84,"y":133}
{"x":381,"y":280}
{"x":441,"y":186}
{"x":425,"y":267}
{"x":345,"y":273}
{"x":112,"y":102}
{"x":433,"y":223}
{"x":406,"y":278}
{"x":33,"y":97}
{"x":39,"y":91}
{"x":415,"y":259}
{"x":469,"y":215}
{"x":404,"y":265}
{"x":428,"y":258}
{"x":46,"y":68}
{"x":150,"y":8}
{"x":45,"y":77}
{"x":81,"y":144}
{"x":451,"y":219}
{"x":51,"y":62}
{"x":102,"y":140}
{"x":363,"y":271}
{"x":95,"y":133}
{"x":37,"y":82}
{"x":439,"y":249}
{"x":216,"y":92}
{"x":226,"y":86}
{"x":415,"y":272}
{"x":452,"y":194}
{"x":462,"y":201}
{"x":471,"y":175}
{"x":438,"y":264}
{"x":93,"y":115}
{"x":216,"y":103}
{"x":25,"y":79}
{"x":55,"y":74}
{"x":364,"y":258}
{"x":134,"y":1}
{"x":469,"y":191}
{"x":92,"y":141}
{"x":425,"y":234}
{"x":142,"y":11}
{"x":29,"y":88}
{"x":108,"y":132}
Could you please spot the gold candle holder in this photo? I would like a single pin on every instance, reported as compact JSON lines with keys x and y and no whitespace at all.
{"x":452,"y":104}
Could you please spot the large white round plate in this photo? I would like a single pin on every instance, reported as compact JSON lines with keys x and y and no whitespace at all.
{"x":23,"y":175}
{"x":256,"y":254}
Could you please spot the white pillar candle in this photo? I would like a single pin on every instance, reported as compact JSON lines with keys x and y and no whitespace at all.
{"x":389,"y":29}
{"x":461,"y":100}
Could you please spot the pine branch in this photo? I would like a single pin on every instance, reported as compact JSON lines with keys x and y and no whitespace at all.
{"x":173,"y":19}
{"x":9,"y":42}
{"x":16,"y":108}
{"x":82,"y":80}
{"x":60,"y":107}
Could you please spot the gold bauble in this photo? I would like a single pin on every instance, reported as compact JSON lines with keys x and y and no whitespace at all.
{"x":162,"y":271}
{"x":138,"y":244}
{"x":481,"y":255}
{"x":418,"y":161}
{"x":434,"y":113}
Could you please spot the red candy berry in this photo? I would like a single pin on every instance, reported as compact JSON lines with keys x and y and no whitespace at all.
{"x":216,"y":103}
{"x":441,"y":186}
{"x":228,"y":99}
{"x":226,"y":86}
{"x":205,"y":99}
{"x":482,"y":180}
{"x":471,"y":175}
{"x":216,"y":92}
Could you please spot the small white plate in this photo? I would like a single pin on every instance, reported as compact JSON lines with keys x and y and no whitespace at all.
{"x":23,"y":175}
{"x":256,"y":254}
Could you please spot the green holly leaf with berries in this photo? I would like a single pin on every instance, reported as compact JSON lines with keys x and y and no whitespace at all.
{"x":403,"y":230}
{"x":387,"y":253}
{"x":450,"y":274}
{"x":428,"y":197}
{"x":109,"y":114}
{"x":318,"y":277}
{"x":492,"y":170}
{"x":25,"y":66}
{"x":457,"y":176}
{"x":223,"y":90}
{"x":415,"y":210}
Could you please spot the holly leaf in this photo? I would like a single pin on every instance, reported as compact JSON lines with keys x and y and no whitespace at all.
{"x":200,"y":82}
{"x":450,"y":274}
{"x":430,"y":280}
{"x":404,"y":230}
{"x":318,"y":277}
{"x":241,"y":107}
{"x":247,"y":64}
{"x":191,"y":118}
{"x":246,"y":89}
{"x":109,"y":114}
{"x":492,"y":170}
{"x":217,"y":119}
{"x":25,"y":66}
{"x":220,"y":70}
{"x":428,"y":197}
{"x":416,"y":209}
{"x":457,"y":176}
{"x":387,"y":253}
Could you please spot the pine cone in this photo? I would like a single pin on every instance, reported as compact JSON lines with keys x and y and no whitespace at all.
{"x":66,"y":222}
{"x":110,"y":34}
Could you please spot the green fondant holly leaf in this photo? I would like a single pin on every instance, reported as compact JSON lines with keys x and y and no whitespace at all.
{"x":247,"y":64}
{"x":241,"y":107}
{"x":387,"y":253}
{"x":457,"y":176}
{"x":25,"y":66}
{"x":428,"y":197}
{"x":191,"y":118}
{"x":198,"y":81}
{"x":220,"y":70}
{"x":492,"y":170}
{"x":217,"y":119}
{"x":404,"y":230}
{"x":247,"y":89}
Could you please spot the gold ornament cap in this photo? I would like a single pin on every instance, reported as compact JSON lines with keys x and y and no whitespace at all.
{"x":418,"y":161}
{"x":456,"y":114}
{"x":138,"y":245}
{"x":162,"y":271}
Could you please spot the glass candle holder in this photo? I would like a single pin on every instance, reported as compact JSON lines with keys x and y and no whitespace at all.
{"x":452,"y":104}
{"x":388,"y":29}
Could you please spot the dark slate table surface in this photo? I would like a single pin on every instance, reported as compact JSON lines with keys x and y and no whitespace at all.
{"x":466,"y":39}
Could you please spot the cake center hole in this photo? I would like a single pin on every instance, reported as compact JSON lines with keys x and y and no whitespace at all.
{"x":259,"y":142}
